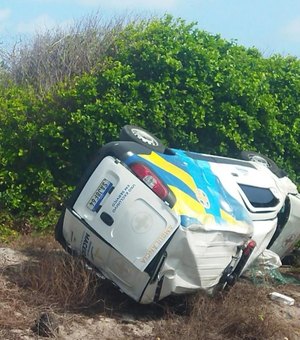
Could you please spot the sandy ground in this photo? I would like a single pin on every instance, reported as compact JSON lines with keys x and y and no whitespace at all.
{"x":126,"y":325}
{"x":73,"y":326}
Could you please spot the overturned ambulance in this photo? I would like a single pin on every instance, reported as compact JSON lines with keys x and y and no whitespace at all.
{"x":158,"y":221}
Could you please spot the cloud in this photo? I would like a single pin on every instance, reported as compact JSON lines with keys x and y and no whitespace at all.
{"x":41,"y":23}
{"x":292,"y":30}
{"x":130,"y":4}
{"x":4,"y":15}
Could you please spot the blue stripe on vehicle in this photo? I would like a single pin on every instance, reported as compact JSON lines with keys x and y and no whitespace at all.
{"x":205,"y":181}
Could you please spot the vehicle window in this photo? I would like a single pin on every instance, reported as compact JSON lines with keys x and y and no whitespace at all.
{"x":259,"y":197}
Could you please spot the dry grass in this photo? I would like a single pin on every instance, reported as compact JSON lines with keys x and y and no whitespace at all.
{"x":62,"y":281}
{"x":52,"y":281}
{"x":242,"y":313}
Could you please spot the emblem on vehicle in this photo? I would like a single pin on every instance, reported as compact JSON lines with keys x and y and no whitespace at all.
{"x":202,"y":198}
{"x":85,"y":245}
{"x":141,"y":222}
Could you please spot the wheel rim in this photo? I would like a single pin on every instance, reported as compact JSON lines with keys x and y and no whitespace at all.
{"x":259,"y":159}
{"x":144,"y":137}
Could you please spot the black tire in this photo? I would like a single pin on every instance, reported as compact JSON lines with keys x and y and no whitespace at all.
{"x":264,"y":160}
{"x":136,"y":134}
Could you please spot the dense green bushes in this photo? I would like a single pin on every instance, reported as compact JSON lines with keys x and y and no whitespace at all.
{"x":194,"y":90}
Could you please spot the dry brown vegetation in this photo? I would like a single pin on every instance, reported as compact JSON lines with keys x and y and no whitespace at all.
{"x":51,"y":282}
{"x":57,"y":55}
{"x":242,"y":313}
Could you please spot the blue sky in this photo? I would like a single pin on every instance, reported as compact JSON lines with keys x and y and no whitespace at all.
{"x":272,"y":26}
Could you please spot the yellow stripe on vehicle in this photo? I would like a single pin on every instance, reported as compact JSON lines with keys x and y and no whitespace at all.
{"x":171,"y":168}
{"x":187,"y":205}
{"x":228,"y":218}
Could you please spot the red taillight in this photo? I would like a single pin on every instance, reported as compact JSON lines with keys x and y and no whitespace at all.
{"x":249,"y":247}
{"x":150,"y":179}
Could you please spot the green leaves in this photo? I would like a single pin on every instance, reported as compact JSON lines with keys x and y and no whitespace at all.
{"x":193,"y":90}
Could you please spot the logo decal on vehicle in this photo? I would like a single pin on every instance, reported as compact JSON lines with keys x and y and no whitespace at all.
{"x":142,"y":222}
{"x":85,"y":245}
{"x":157,"y":243}
{"x":202,"y":198}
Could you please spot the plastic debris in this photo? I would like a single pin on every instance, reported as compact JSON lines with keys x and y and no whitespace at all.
{"x":287,"y":300}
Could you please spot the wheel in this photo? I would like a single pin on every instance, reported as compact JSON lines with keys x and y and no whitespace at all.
{"x":263,"y":160}
{"x":136,"y":134}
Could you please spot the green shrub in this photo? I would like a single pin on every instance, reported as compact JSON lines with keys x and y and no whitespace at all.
{"x":6,"y":231}
{"x":192,"y":89}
